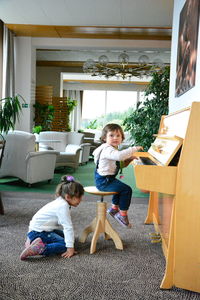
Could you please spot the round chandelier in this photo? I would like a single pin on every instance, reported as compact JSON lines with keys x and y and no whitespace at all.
{"x":123,"y":69}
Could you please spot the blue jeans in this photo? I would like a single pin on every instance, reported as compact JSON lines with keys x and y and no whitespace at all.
{"x":111,"y":184}
{"x":54,"y":241}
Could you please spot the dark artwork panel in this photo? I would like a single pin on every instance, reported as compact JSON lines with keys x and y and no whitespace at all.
{"x":187,"y":47}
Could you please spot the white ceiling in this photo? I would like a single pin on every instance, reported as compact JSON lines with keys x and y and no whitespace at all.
{"x":88,"y":12}
{"x":119,"y":13}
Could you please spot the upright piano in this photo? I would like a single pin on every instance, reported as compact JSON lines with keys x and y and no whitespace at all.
{"x":174,"y":201}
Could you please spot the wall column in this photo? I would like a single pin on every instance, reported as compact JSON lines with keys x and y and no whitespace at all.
{"x":1,"y":56}
{"x":25,"y":68}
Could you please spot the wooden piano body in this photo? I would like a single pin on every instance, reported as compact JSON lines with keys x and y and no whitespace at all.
{"x":174,"y":202}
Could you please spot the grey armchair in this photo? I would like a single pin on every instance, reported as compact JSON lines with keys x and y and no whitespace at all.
{"x":89,"y":137}
{"x":21,"y":160}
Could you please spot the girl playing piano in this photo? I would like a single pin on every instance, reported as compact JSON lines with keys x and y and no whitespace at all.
{"x":109,"y":160}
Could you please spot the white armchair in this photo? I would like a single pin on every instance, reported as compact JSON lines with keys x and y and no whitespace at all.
{"x":69,"y":153}
{"x":70,"y":145}
{"x":77,"y":138}
{"x":22,"y":161}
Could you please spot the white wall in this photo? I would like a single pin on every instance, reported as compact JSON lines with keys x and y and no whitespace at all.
{"x":185,"y":100}
{"x":104,"y":86}
{"x":25,"y":80}
{"x":75,"y":44}
{"x":49,"y":76}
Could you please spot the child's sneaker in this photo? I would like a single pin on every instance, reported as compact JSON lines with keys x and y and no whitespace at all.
{"x":123,"y":220}
{"x":112,"y":212}
{"x":36,"y":248}
{"x":27,"y":243}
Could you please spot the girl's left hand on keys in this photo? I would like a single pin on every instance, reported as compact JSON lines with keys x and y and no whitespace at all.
{"x":139,"y":148}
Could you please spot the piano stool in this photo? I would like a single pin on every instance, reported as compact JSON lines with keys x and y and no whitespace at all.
{"x":100,"y":224}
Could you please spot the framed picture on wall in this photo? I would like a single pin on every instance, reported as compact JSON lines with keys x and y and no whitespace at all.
{"x":187,"y":47}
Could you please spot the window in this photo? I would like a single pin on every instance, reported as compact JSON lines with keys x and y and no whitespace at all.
{"x":102,"y":107}
{"x":120,"y":101}
{"x":93,"y":104}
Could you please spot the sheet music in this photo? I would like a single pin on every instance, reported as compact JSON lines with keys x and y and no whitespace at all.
{"x":164,"y":149}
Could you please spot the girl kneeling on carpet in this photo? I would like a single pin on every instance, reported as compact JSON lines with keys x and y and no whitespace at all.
{"x":44,"y":236}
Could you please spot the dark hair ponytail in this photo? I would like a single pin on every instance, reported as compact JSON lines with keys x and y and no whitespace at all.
{"x":69,"y":186}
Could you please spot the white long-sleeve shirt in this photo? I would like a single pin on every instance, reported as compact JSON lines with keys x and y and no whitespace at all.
{"x":108,"y":155}
{"x":54,"y":215}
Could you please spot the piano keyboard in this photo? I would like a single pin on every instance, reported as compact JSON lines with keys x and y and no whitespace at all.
{"x":147,"y":161}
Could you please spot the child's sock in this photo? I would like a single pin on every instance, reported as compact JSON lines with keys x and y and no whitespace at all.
{"x":123,"y":212}
{"x":115,"y":207}
{"x":113,"y":210}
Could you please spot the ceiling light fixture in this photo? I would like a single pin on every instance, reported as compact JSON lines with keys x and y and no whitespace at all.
{"x":123,"y":69}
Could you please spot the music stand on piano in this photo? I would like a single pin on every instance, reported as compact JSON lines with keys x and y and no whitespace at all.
{"x":161,"y":152}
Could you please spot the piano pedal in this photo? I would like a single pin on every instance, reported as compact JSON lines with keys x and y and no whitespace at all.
{"x":154,"y":234}
{"x":155,"y":237}
{"x":156,"y":241}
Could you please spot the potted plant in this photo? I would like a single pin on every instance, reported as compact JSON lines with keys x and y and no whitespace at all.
{"x":44,"y":115}
{"x":37,"y":129}
{"x":144,"y":121}
{"x":10,"y":108}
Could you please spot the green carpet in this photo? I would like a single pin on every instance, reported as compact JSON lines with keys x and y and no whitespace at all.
{"x":8,"y":179}
{"x":84,"y":174}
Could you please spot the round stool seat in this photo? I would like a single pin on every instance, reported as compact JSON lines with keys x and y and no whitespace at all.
{"x":93,"y":190}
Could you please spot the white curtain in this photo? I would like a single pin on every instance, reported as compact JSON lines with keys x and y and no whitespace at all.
{"x":8,"y":80}
{"x":75,"y":116}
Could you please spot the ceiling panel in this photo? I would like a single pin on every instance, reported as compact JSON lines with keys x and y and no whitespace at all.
{"x":108,"y":23}
{"x":88,"y":12}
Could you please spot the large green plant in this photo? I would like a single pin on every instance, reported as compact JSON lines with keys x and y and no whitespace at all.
{"x":144,"y":121}
{"x":44,"y":114}
{"x":10,"y":108}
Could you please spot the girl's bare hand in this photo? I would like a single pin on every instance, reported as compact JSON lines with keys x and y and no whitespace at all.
{"x":69,"y":253}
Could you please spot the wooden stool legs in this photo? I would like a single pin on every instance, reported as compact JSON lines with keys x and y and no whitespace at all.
{"x":101,"y":225}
